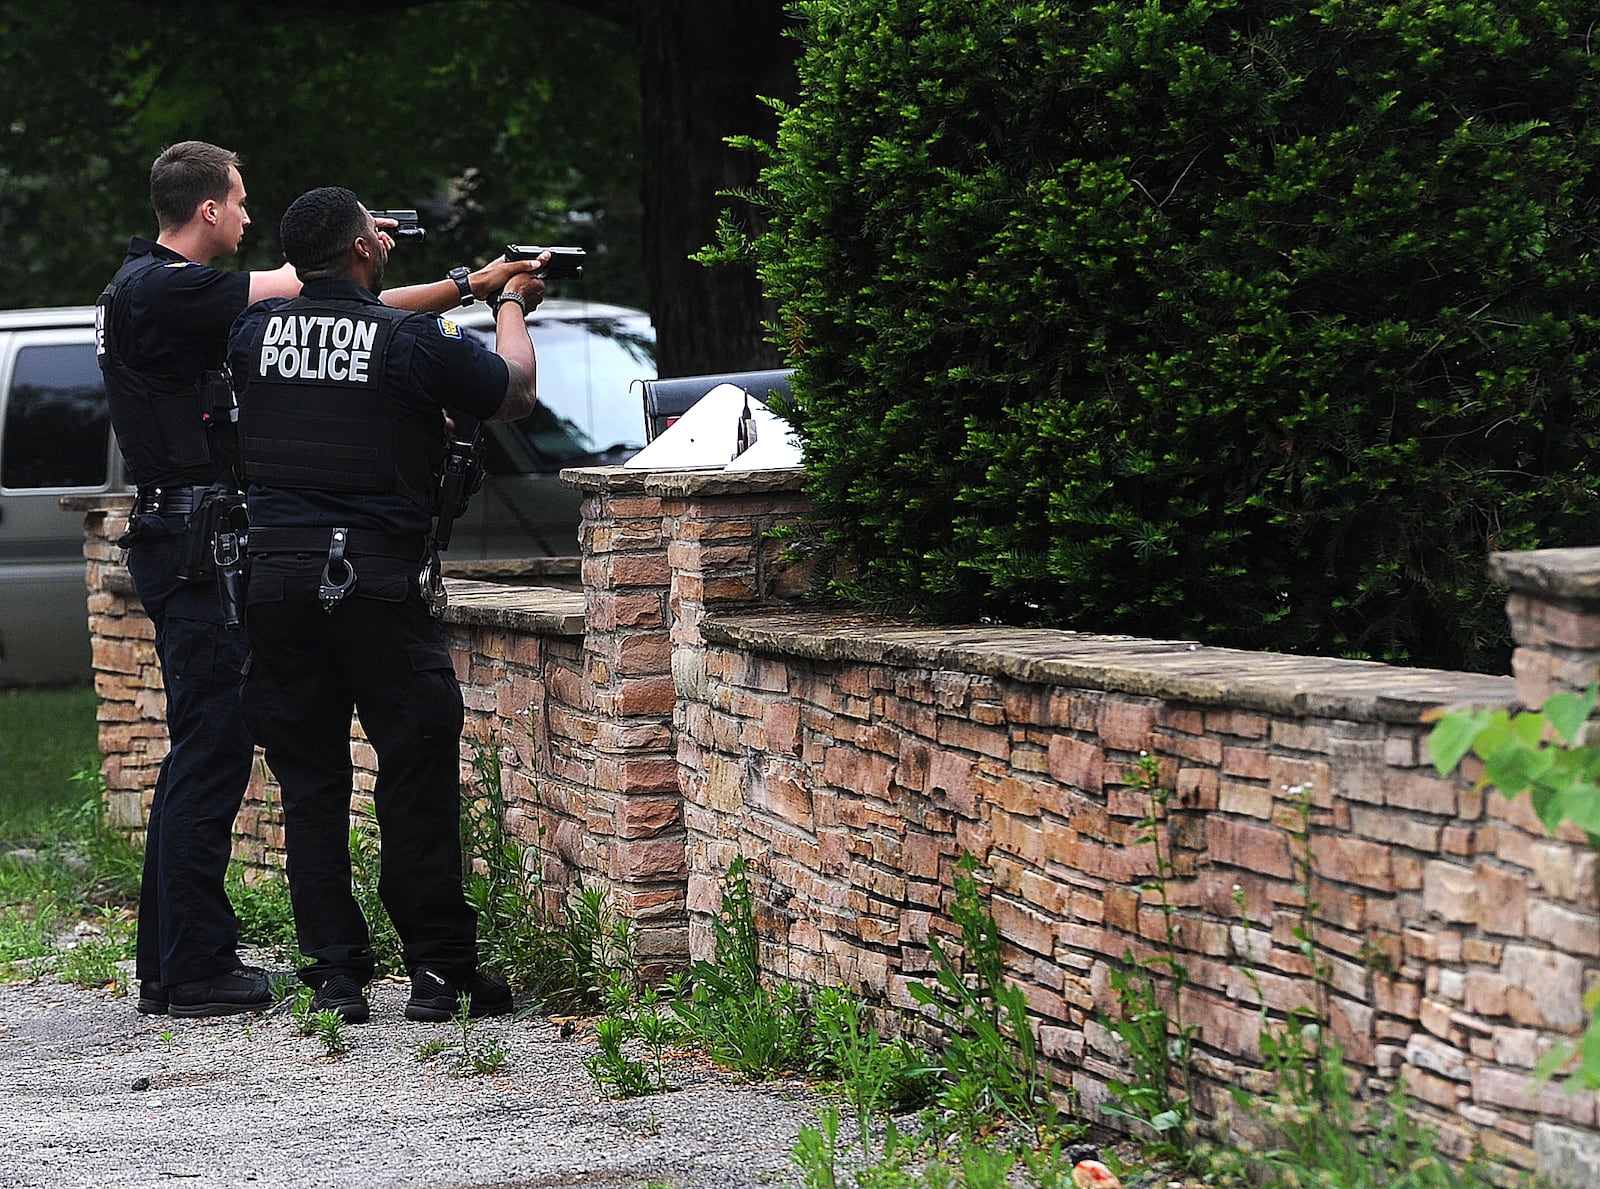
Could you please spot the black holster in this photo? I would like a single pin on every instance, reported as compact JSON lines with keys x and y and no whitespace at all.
{"x":214,"y":549}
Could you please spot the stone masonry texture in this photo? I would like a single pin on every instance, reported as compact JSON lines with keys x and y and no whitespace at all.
{"x":688,"y":707}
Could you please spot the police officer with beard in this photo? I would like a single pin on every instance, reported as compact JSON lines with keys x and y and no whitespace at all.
{"x":342,"y":416}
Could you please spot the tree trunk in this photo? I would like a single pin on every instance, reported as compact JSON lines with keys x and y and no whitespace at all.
{"x":703,"y":64}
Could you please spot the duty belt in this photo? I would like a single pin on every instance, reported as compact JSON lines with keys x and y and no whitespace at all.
{"x":355,"y":541}
{"x":167,"y":501}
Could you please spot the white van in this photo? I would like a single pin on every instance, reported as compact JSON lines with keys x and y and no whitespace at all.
{"x":56,"y":440}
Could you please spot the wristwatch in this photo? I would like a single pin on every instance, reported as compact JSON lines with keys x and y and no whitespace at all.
{"x":460,"y":274}
{"x":515,"y":298}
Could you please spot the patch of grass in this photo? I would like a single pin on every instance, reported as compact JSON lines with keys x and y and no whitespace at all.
{"x":78,"y":872}
{"x":261,"y":902}
{"x":90,"y":960}
{"x":47,"y":736}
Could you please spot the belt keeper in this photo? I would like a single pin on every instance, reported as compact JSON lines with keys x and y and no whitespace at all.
{"x":332,"y":590}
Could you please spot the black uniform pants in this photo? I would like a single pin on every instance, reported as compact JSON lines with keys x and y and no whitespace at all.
{"x":187,"y":927}
{"x":381,"y":654}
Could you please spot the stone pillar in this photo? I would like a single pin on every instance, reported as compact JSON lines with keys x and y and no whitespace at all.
{"x":661,"y":549}
{"x":635,"y":810}
{"x":1554,"y":608}
{"x":724,"y":556}
{"x":127,"y":679}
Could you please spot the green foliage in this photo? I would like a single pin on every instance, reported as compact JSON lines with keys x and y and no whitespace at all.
{"x":1256,"y":324}
{"x":990,"y":1058}
{"x":613,"y":1069}
{"x":1546,"y":754}
{"x":329,"y":1029}
{"x":490,"y":146}
{"x":1156,"y":1038}
{"x":366,"y":870}
{"x":563,"y":959}
{"x":47,"y":739}
{"x":1325,"y":1138}
{"x":261,"y":902}
{"x":1319,"y":1134}
{"x":474,"y":1054}
{"x":633,"y":1015}
{"x":874,"y":1075}
{"x":91,"y":959}
{"x":738,"y":1020}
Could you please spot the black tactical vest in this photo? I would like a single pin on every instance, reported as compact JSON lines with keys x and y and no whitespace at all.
{"x":313,"y":411}
{"x":162,"y":434}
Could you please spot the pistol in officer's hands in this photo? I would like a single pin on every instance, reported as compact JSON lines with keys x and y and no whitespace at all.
{"x":399,"y":224}
{"x":563,"y":264}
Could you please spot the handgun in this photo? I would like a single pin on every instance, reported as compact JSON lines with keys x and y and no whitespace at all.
{"x":566,"y":264}
{"x":407,"y":220}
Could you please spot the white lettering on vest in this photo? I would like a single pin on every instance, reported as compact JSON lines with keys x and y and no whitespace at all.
{"x":318,"y":347}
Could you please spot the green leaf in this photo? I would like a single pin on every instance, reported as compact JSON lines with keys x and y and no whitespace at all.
{"x":1568,"y":711}
{"x":1578,"y":804}
{"x":1450,"y":741}
{"x":1512,"y":768}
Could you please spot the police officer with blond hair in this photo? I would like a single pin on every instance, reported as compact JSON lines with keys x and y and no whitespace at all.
{"x":342,"y":412}
{"x":161,"y":335}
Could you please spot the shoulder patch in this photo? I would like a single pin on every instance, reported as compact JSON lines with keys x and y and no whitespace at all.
{"x":177,"y":264}
{"x":449,"y":329}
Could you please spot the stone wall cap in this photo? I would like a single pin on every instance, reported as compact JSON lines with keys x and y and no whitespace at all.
{"x":621,"y":481}
{"x":539,"y":610}
{"x":104,"y":501}
{"x":1177,"y":670}
{"x":1555,"y":573}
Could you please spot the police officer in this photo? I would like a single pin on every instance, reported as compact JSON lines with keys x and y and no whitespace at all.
{"x":161,"y":334}
{"x":342,"y":414}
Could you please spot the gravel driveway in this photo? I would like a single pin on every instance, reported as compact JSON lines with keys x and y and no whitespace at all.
{"x":98,"y":1095}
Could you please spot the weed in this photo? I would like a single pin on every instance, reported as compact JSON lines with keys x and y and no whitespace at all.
{"x":563,"y":961}
{"x":627,"y":1077}
{"x":1322,"y":1137}
{"x":261,"y":901}
{"x":474,"y":1054}
{"x":631,"y":1015}
{"x":329,"y":1028}
{"x":816,"y":1151}
{"x":429,"y":1049}
{"x":301,"y":1008}
{"x":740,"y":1022}
{"x":366,"y":869}
{"x":874,"y":1074}
{"x":990,"y":1059}
{"x":1158,"y":1043}
{"x":92,"y":961}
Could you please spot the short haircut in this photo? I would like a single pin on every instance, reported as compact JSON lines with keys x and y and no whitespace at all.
{"x":319,"y":227}
{"x":187,"y":174}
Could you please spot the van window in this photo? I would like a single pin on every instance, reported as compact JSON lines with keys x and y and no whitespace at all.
{"x":57,"y":428}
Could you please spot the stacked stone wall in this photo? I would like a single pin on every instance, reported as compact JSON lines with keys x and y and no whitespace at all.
{"x":682,"y":710}
{"x":852,"y":763}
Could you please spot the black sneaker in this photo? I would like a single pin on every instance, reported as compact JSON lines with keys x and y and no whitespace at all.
{"x":343,"y":994}
{"x":241,"y":990}
{"x":436,"y":996}
{"x":152,"y":998}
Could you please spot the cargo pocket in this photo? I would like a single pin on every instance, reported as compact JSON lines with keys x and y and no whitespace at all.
{"x":438,"y":711}
{"x":387,"y":584}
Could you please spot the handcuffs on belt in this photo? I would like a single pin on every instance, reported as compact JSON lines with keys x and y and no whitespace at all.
{"x":331,"y":590}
